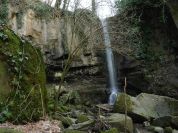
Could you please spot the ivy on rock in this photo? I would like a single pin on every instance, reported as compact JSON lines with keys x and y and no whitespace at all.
{"x":22,"y":92}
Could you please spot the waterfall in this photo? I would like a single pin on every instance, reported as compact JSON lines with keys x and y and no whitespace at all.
{"x":110,"y":64}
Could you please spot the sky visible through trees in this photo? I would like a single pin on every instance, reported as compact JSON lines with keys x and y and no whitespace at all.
{"x":105,"y":8}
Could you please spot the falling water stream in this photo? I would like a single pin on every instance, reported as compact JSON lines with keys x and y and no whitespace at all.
{"x":110,"y":64}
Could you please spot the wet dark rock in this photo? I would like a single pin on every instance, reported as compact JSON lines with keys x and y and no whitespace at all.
{"x":174,"y":122}
{"x":162,"y":121}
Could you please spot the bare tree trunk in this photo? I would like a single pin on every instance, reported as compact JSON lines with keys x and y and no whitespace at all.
{"x":94,"y":6}
{"x":50,"y":2}
{"x":64,"y":4}
{"x":58,"y":4}
{"x":77,"y":2}
{"x":67,"y":5}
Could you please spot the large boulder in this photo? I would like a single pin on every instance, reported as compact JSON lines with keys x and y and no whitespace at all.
{"x":22,"y":79}
{"x":133,"y":107}
{"x":119,"y":122}
{"x":158,"y":106}
{"x":146,"y":106}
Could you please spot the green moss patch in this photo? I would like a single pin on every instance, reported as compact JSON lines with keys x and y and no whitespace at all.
{"x":112,"y":130}
{"x":82,"y":118}
{"x":7,"y":130}
{"x":24,"y":76}
{"x":120,"y":105}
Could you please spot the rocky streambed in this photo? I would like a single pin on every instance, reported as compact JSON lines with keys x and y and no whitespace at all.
{"x":146,"y":113}
{"x":84,"y":112}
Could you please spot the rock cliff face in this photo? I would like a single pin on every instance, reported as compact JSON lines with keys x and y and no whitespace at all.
{"x":60,"y":35}
{"x":147,"y":48}
{"x":152,"y":43}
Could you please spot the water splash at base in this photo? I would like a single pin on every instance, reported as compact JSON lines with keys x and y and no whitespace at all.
{"x":110,"y":65}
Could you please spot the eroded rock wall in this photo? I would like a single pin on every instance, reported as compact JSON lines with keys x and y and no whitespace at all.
{"x":146,"y":41}
{"x":61,"y":35}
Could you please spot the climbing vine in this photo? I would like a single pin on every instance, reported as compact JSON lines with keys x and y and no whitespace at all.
{"x":25,"y":89}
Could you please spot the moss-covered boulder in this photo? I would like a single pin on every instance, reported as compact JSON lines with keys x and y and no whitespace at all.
{"x":82,"y":118}
{"x":158,"y":106}
{"x":119,"y":122}
{"x":22,"y":79}
{"x":133,"y":107}
{"x":146,"y":106}
{"x":66,"y":121}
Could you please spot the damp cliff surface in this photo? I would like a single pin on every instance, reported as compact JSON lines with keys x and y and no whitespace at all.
{"x":23,"y":79}
{"x":146,"y":49}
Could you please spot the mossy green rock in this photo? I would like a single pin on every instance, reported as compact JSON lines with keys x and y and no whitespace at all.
{"x":7,"y":130}
{"x":4,"y":88}
{"x":22,"y":79}
{"x":66,"y":121}
{"x":111,"y":130}
{"x":146,"y":106}
{"x":117,"y":121}
{"x":82,"y":118}
{"x":158,"y":106}
{"x":130,"y":104}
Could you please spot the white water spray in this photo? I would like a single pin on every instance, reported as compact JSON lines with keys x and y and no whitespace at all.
{"x":110,"y":64}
